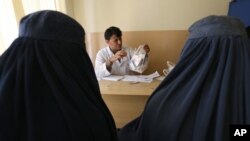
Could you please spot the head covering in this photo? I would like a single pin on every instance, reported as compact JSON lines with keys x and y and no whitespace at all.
{"x":48,"y":88}
{"x":206,"y":92}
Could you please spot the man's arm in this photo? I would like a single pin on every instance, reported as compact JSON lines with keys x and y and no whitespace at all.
{"x":101,"y":69}
{"x":109,"y":64}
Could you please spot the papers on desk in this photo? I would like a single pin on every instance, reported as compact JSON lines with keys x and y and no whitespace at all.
{"x":113,"y":77}
{"x":133,"y":78}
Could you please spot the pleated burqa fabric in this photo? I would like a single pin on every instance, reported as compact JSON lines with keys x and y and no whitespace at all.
{"x":207,"y":91}
{"x":48,"y":88}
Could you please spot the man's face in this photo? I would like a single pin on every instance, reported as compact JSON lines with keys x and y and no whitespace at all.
{"x":115,"y":43}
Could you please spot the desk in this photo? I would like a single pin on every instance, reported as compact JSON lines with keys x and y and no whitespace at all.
{"x":126,"y":100}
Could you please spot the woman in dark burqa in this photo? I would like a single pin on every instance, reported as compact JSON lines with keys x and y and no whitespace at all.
{"x":48,"y":88}
{"x":205,"y":93}
{"x":248,"y":31}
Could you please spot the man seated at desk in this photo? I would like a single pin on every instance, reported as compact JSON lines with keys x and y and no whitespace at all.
{"x":114,"y":58}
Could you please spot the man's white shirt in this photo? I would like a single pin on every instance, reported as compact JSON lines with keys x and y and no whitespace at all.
{"x":118,"y":68}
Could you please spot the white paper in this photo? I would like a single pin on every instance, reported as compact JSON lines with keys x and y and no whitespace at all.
{"x":133,"y":78}
{"x":141,"y":78}
{"x":113,"y":77}
{"x":154,"y":75}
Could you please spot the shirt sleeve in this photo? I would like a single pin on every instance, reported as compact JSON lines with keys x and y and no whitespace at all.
{"x":100,"y":65}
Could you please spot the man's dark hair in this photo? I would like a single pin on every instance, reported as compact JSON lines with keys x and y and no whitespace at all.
{"x":112,"y":31}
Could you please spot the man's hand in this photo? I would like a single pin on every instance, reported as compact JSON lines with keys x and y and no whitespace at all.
{"x":118,"y":55}
{"x":146,"y":48}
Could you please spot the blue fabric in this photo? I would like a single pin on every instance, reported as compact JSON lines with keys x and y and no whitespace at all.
{"x":241,"y":10}
{"x":68,"y":30}
{"x":213,"y":26}
{"x":206,"y":92}
{"x":48,"y":88}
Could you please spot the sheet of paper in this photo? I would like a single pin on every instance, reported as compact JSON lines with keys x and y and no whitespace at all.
{"x":136,"y":78}
{"x":133,"y":78}
{"x":154,"y":75}
{"x":113,"y":77}
{"x":141,"y":78}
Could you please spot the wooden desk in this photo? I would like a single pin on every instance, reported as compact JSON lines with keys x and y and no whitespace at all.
{"x":126,"y":100}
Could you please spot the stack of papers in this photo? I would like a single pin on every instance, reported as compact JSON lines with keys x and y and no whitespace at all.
{"x":133,"y":78}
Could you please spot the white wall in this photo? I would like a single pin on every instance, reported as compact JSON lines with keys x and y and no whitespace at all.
{"x":144,"y":15}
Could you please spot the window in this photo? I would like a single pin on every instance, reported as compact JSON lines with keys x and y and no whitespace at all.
{"x":12,"y":11}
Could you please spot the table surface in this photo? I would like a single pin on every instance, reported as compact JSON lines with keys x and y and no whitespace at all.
{"x":127,"y":88}
{"x":126,"y":100}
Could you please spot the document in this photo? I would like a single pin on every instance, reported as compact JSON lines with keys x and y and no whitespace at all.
{"x":141,"y":78}
{"x":113,"y":77}
{"x":133,"y":78}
